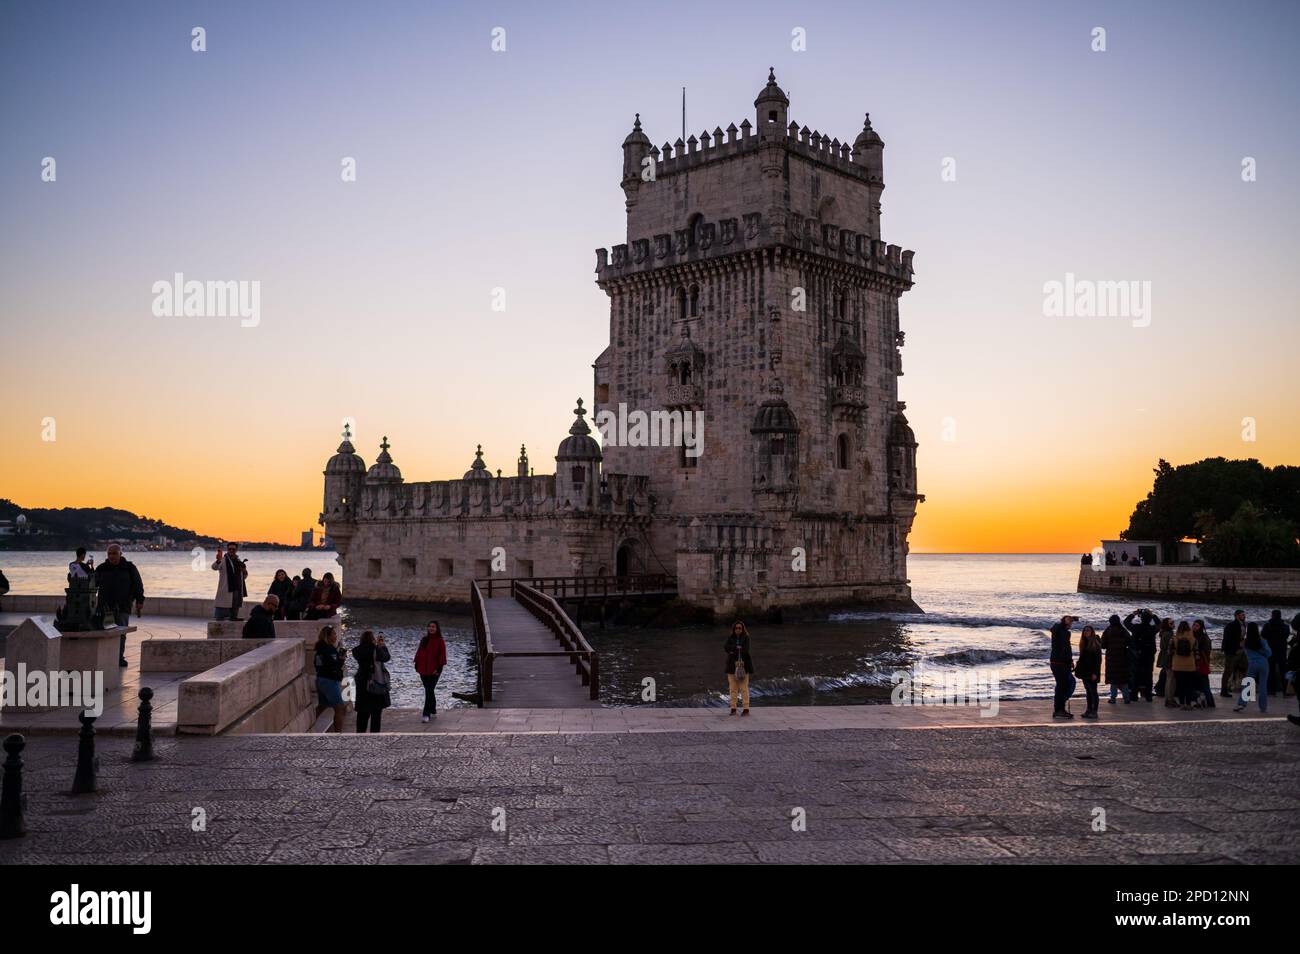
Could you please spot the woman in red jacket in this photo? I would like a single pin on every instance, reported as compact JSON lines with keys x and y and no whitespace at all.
{"x":430,"y":660}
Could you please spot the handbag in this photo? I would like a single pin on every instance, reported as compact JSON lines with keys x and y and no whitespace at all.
{"x":378,"y":681}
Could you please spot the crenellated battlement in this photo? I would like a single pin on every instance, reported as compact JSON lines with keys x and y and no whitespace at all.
{"x":713,"y":240}
{"x":719,"y":145}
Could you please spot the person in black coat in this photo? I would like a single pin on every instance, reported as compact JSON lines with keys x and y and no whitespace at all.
{"x":282,"y":589}
{"x":371,"y":701}
{"x":1233,"y":634}
{"x":1275,"y":632}
{"x":1088,"y":668}
{"x":1144,"y":651}
{"x":739,"y":665}
{"x":261,"y":621}
{"x":119,"y":588}
{"x":301,"y":598}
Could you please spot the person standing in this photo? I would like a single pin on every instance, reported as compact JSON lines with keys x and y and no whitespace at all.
{"x":325,"y":599}
{"x":740,"y":667}
{"x":231,"y":588}
{"x":1204,"y":647}
{"x":1167,"y":685}
{"x":330,"y":657}
{"x":430,"y":660}
{"x":1274,"y":633}
{"x":1182,"y":664}
{"x":282,"y":589}
{"x":1144,"y":651}
{"x":373,"y":696}
{"x":119,"y":587}
{"x":1115,"y":642}
{"x":1257,"y":668}
{"x":1061,"y":661}
{"x":80,"y":569}
{"x":1233,"y":634}
{"x":1088,"y":668}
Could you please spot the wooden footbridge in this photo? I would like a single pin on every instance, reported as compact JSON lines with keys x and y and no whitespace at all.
{"x":531,"y":655}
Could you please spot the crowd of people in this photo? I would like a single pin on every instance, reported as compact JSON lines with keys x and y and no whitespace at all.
{"x":370,"y":689}
{"x":1258,"y":661}
{"x":298,"y":597}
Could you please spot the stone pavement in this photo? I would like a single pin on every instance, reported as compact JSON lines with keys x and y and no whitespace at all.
{"x":1212,"y":791}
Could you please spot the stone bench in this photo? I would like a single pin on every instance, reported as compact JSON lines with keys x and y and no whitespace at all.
{"x":306,"y":629}
{"x":263,"y":690}
{"x":192,"y":655}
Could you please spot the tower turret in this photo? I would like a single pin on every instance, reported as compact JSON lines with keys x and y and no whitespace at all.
{"x":523,"y":461}
{"x":383,"y":470}
{"x":635,"y":148}
{"x":577,"y":464}
{"x":869,"y":153}
{"x":771,"y":109}
{"x":345,"y":474}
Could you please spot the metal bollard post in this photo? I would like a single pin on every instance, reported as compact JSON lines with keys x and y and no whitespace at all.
{"x":12,"y":799}
{"x":87,"y":762}
{"x":144,"y":729}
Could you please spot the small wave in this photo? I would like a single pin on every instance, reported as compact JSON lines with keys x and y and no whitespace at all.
{"x":946,"y":619}
{"x":980,"y":657}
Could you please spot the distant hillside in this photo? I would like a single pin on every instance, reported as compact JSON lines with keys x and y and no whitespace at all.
{"x":70,"y":527}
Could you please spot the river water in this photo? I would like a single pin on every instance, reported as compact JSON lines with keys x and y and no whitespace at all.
{"x":984,"y":613}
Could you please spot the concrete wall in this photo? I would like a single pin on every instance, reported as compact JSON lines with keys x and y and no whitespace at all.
{"x":233,"y":691}
{"x":196,"y":607}
{"x":191,"y":655}
{"x":1199,"y":583}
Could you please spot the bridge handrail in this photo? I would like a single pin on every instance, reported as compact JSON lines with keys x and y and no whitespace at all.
{"x":548,"y":612}
{"x":583,"y":586}
{"x":482,"y":643}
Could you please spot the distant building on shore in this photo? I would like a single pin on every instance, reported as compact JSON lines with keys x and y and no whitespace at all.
{"x":754,"y":321}
{"x":308,"y":539}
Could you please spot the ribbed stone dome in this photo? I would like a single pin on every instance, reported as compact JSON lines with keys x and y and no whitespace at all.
{"x":477,"y":470}
{"x":383,"y":468}
{"x":900,"y":432}
{"x":774,"y":415}
{"x":346,"y":461}
{"x":579,"y":445}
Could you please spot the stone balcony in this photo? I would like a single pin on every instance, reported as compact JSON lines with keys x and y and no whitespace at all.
{"x":684,"y":395}
{"x":850,"y":397}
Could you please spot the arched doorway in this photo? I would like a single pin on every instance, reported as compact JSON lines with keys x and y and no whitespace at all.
{"x":626,"y":561}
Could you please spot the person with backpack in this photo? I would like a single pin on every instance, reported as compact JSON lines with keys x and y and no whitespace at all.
{"x":1257,"y":668}
{"x":330,"y":658}
{"x":1115,"y":642}
{"x":1182,"y":665}
{"x":1233,"y":634}
{"x":740,"y":667}
{"x":1088,"y":668}
{"x":373,"y":695}
{"x":1166,"y":685}
{"x":430,"y":661}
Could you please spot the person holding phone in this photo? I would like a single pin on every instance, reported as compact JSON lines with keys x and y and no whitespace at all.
{"x":231,"y":588}
{"x":373,"y":695}
{"x":330,"y":659}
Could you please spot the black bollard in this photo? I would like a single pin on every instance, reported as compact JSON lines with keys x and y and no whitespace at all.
{"x":144,"y":729}
{"x":12,"y":799}
{"x":87,"y":762}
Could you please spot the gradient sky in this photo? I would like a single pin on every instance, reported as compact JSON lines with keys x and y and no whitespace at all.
{"x":479,"y":170}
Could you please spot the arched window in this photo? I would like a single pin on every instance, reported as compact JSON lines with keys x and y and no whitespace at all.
{"x":776,"y":446}
{"x":579,"y":474}
{"x":842,"y":306}
{"x":693,"y":229}
{"x":695,"y":301}
{"x":681,"y":303}
{"x":842,"y":452}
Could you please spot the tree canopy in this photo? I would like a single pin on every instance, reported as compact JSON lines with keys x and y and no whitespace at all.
{"x":1196,"y":500}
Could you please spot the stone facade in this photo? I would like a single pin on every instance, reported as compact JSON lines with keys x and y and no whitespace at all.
{"x":753,"y":294}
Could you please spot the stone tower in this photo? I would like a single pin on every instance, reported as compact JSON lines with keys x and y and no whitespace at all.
{"x":753,"y":290}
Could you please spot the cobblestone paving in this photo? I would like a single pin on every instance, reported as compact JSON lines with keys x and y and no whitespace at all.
{"x":1210,"y":792}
